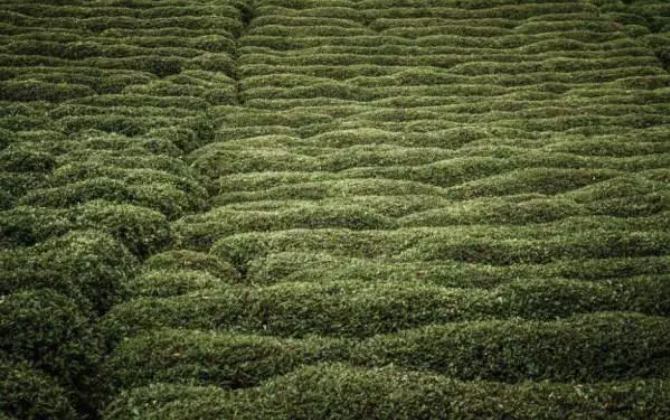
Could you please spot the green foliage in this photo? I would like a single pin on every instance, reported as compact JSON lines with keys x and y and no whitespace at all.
{"x":88,"y":266}
{"x":232,"y":192}
{"x":31,"y":395}
{"x":142,"y":231}
{"x":164,"y":283}
{"x":39,"y":91}
{"x":201,"y":231}
{"x":190,"y":260}
{"x":340,"y":391}
{"x":365,"y":307}
{"x":226,"y":360}
{"x":26,"y":225}
{"x":159,"y":196}
{"x":22,"y":160}
{"x":593,"y":348}
{"x":48,"y":330}
{"x":495,"y":245}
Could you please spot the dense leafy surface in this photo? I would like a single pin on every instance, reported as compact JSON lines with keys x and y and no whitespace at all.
{"x":334,"y":209}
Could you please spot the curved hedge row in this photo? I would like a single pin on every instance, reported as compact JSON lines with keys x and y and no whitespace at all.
{"x":597,"y":347}
{"x":226,"y":360}
{"x":365,"y":308}
{"x":340,"y":391}
{"x":593,"y":347}
{"x":322,"y":267}
{"x":546,"y":243}
{"x":472,"y":188}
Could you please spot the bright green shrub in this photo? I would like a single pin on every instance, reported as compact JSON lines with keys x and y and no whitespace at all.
{"x":28,"y":394}
{"x":497,"y":211}
{"x":183,"y":138}
{"x":164,"y":283}
{"x":254,"y":181}
{"x":337,"y":188}
{"x":537,"y":180}
{"x":127,"y":125}
{"x":235,"y":133}
{"x":593,"y":244}
{"x":134,"y":170}
{"x":320,"y":267}
{"x":178,"y":260}
{"x":78,"y":192}
{"x":561,"y":240}
{"x":159,"y":196}
{"x":212,"y":62}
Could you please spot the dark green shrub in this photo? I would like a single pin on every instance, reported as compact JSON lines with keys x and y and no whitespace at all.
{"x":23,"y":160}
{"x":226,"y":360}
{"x":28,"y":394}
{"x":29,"y":90}
{"x":48,"y":330}
{"x":183,"y":138}
{"x":27,"y":225}
{"x":344,"y":392}
{"x":6,"y":138}
{"x":596,"y":347}
{"x":122,"y":124}
{"x":141,"y":230}
{"x":88,"y":266}
{"x":16,"y":184}
{"x":201,"y":231}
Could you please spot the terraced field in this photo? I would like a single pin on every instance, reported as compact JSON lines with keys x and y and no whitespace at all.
{"x":334,"y":209}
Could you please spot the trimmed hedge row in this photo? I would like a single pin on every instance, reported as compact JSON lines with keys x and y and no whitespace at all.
{"x":321,"y":267}
{"x":572,"y":238}
{"x":594,"y":348}
{"x":162,"y":197}
{"x":339,"y":391}
{"x":226,"y":360}
{"x":177,"y":260}
{"x":359,"y":308}
{"x":166,"y":283}
{"x":201,"y":231}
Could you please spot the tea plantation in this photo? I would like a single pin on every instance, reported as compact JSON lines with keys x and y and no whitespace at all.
{"x":334,"y":209}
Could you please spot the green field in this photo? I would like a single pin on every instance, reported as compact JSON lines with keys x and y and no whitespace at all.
{"x":334,"y":209}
